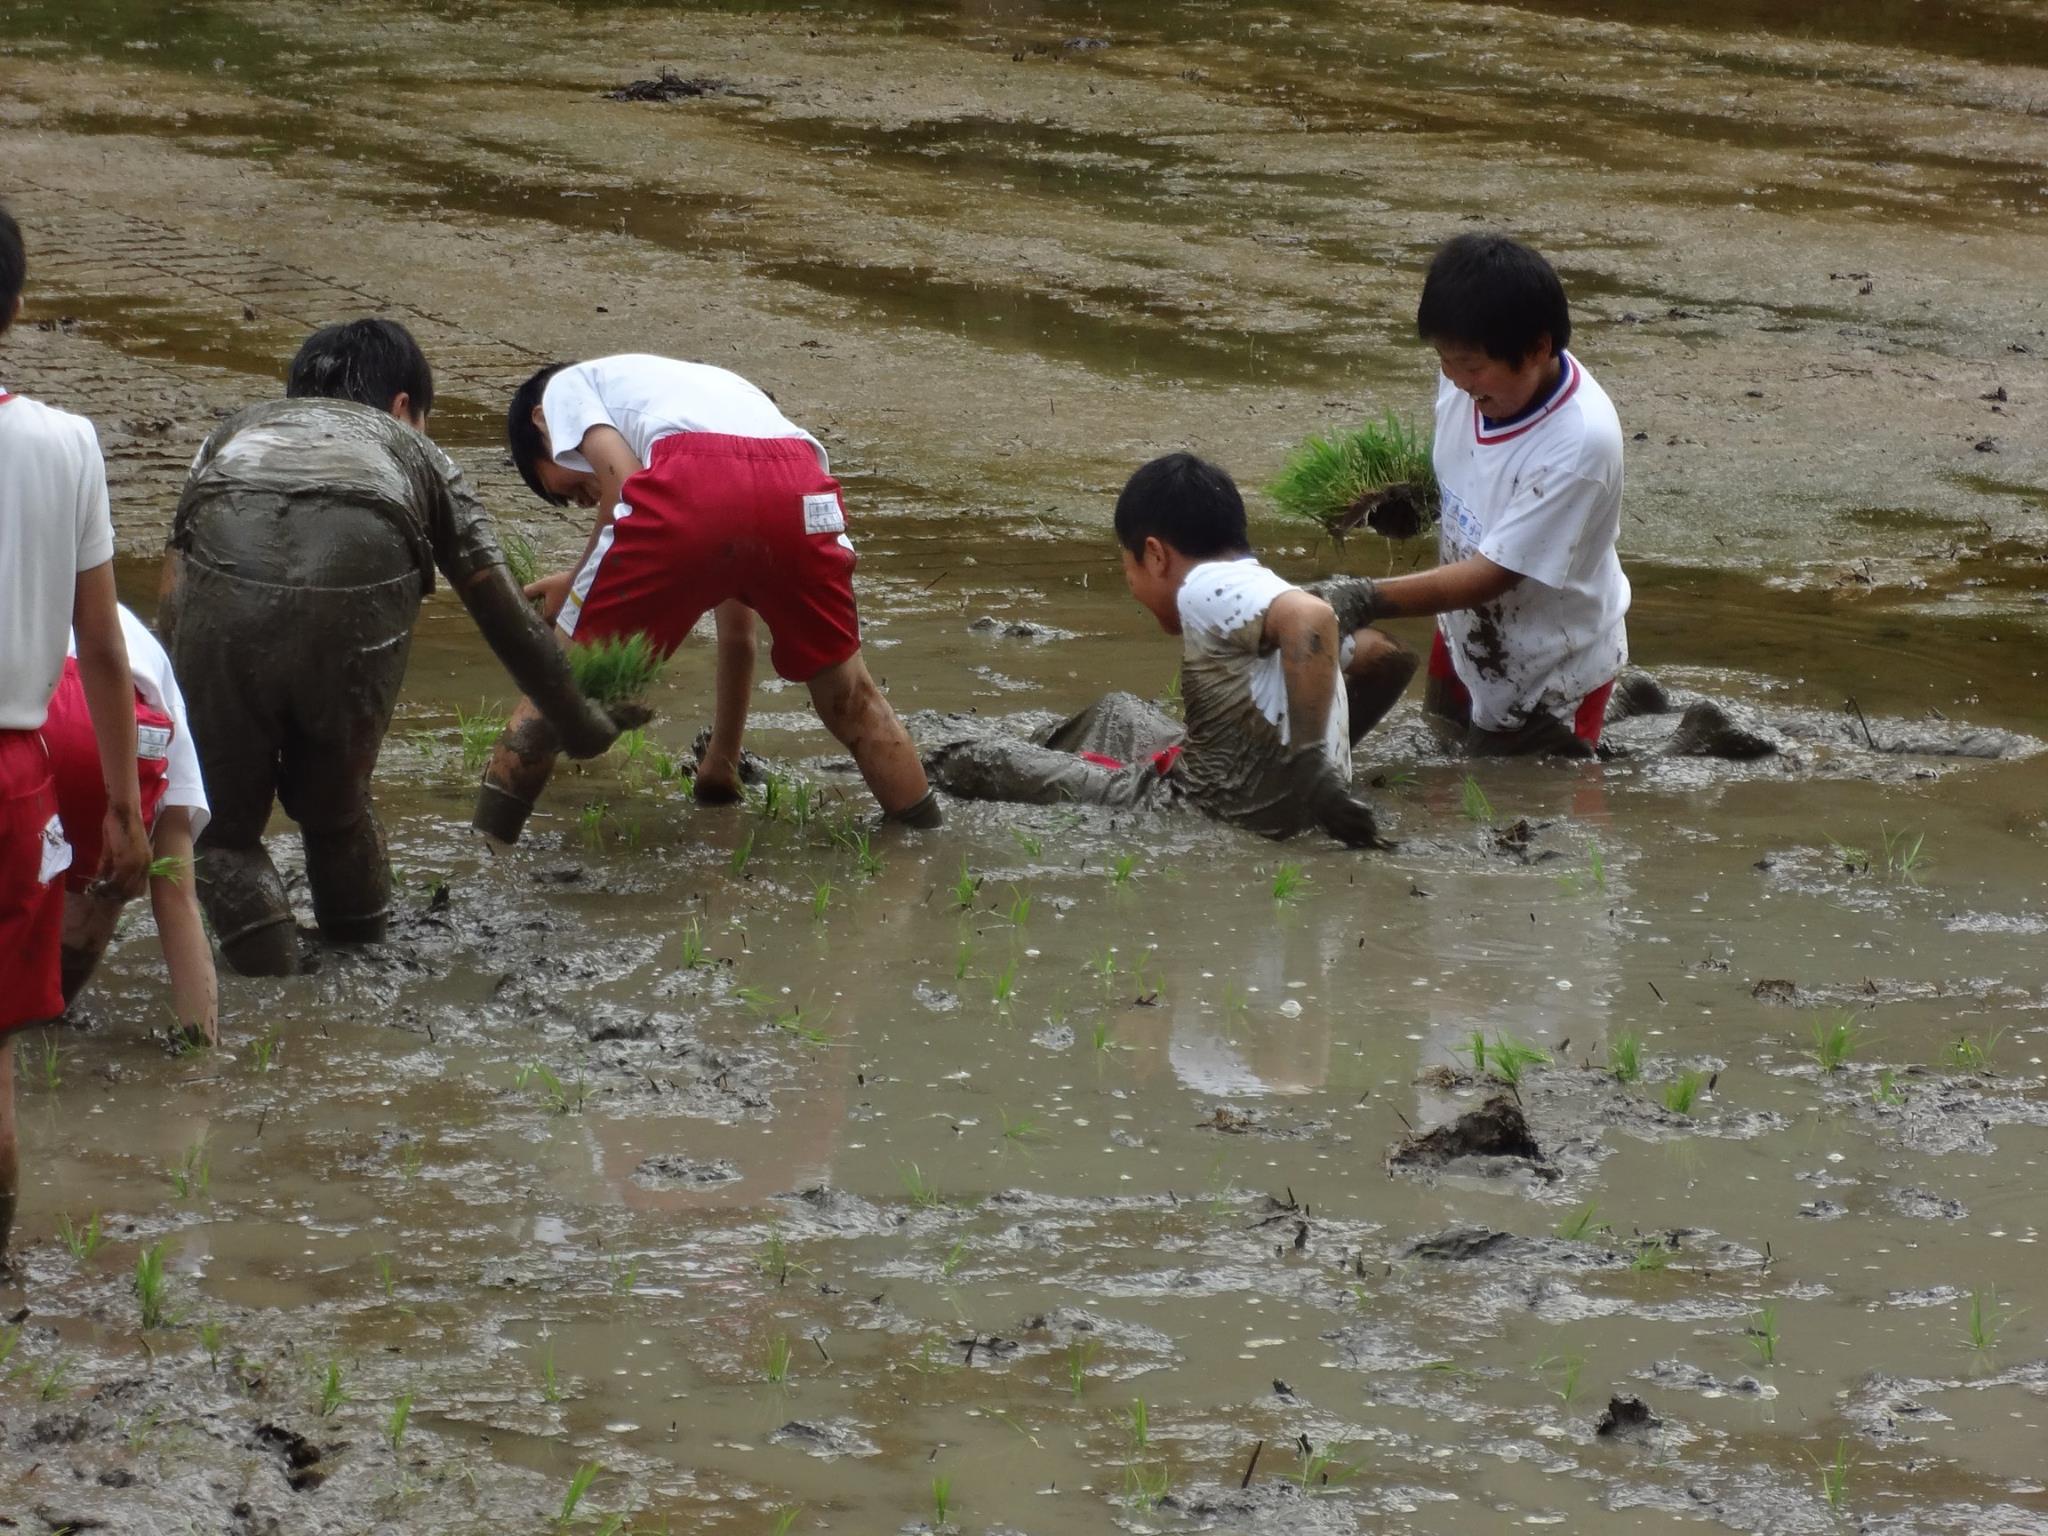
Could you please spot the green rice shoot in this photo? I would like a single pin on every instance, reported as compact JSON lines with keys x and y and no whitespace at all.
{"x":1327,"y":478}
{"x":522,"y":560}
{"x":618,"y":669}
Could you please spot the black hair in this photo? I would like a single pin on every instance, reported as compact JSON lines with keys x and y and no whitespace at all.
{"x":370,"y":361}
{"x":13,"y":266}
{"x":1493,"y":293}
{"x":524,"y":436}
{"x":1184,"y":502}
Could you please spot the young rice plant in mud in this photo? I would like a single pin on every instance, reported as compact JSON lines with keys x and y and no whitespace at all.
{"x":965,"y":888}
{"x":619,"y":669}
{"x":151,"y":1287}
{"x":1652,"y":1256}
{"x":478,"y":734}
{"x":263,"y":1049}
{"x":560,"y":1098}
{"x":1887,"y":1090}
{"x":1981,"y":1323}
{"x":52,"y":1064}
{"x":1287,"y":882}
{"x":784,"y":1519}
{"x":955,"y":1257}
{"x":923,"y":1193}
{"x":1321,"y":1470}
{"x":1474,"y":802}
{"x":1147,"y":1487}
{"x":1903,"y":853}
{"x":1834,"y":1475}
{"x":861,"y":846}
{"x":1566,"y":1368}
{"x":1379,"y":474}
{"x":1137,"y":1420}
{"x":522,"y":560}
{"x":396,"y":1420}
{"x":1580,"y":1225}
{"x":695,"y":955}
{"x":193,"y":1172}
{"x":1970,"y":1053}
{"x":1683,"y":1091}
{"x":1625,"y":1057}
{"x":211,"y":1338}
{"x":1019,"y":909}
{"x":742,"y":851}
{"x":1080,"y":1355}
{"x":1834,"y":1039}
{"x":579,"y":1485}
{"x":550,"y":1382}
{"x":82,"y":1242}
{"x":332,"y":1392}
{"x":1031,"y":846}
{"x":775,"y":1360}
{"x":942,"y":1500}
{"x":821,"y":899}
{"x":1762,"y":1334}
{"x":774,"y":1261}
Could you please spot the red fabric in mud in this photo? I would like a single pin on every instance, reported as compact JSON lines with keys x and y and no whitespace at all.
{"x":31,"y":909}
{"x":1587,"y":723}
{"x":1162,"y":762}
{"x":716,"y":517}
{"x":75,"y":764}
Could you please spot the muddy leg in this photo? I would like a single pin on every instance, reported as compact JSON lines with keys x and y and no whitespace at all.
{"x":1023,"y":773}
{"x":324,"y":782}
{"x":10,"y":1164}
{"x":89,"y":923}
{"x":521,"y":764}
{"x":1380,"y":670}
{"x":1543,"y":736}
{"x":855,"y":711}
{"x":245,"y":902}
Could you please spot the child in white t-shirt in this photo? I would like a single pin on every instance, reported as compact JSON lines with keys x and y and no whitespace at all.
{"x":1529,"y":592}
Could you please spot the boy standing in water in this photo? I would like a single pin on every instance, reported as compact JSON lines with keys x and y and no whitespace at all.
{"x":709,"y":500}
{"x":309,"y":531}
{"x":1278,"y":682}
{"x":1529,"y":595}
{"x":56,"y":575}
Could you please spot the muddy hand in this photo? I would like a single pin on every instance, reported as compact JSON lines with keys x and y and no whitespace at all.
{"x":629,"y":716}
{"x":717,"y":782}
{"x":1349,"y":819}
{"x":551,"y":592}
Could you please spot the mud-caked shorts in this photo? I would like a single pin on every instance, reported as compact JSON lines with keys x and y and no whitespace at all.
{"x":33,"y":858}
{"x":75,"y":764}
{"x":714,"y":518}
{"x":1587,"y":721}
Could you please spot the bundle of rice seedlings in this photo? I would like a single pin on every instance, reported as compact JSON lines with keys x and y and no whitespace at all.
{"x":618,"y":669}
{"x":1378,"y":475}
{"x":522,"y":560}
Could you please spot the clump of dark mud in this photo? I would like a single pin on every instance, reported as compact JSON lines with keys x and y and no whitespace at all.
{"x":669,"y":1170}
{"x":1497,"y":1129}
{"x":668,"y":86}
{"x":1626,"y":1418}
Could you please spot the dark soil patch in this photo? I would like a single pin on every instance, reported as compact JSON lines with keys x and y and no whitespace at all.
{"x":1496,"y":1129}
{"x":668,"y":86}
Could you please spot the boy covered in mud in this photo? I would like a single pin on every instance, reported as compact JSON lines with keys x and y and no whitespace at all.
{"x":56,"y":577}
{"x":309,"y":530}
{"x":709,"y":500}
{"x":1278,"y":682}
{"x":1529,"y":594}
{"x":174,"y":812}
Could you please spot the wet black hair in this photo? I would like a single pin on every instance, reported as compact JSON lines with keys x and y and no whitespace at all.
{"x":370,"y":361}
{"x":1185,"y":502}
{"x":528,"y":448}
{"x":13,"y":266}
{"x":1493,"y":293}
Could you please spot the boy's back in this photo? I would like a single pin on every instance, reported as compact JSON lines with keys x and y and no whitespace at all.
{"x":647,"y":397}
{"x":53,"y":523}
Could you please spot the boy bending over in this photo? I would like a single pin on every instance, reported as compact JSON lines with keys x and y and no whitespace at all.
{"x":709,"y":500}
{"x":1529,"y":593}
{"x":1278,"y":682}
{"x":309,"y":531}
{"x":56,"y":575}
{"x":174,"y":812}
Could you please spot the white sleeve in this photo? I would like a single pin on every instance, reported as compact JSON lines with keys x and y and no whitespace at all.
{"x":1537,"y":533}
{"x":95,"y":522}
{"x":571,"y":406}
{"x":1226,"y":602}
{"x":183,"y":783}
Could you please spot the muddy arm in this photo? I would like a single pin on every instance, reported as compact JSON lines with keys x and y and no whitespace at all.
{"x":528,"y":650}
{"x":1356,"y":600}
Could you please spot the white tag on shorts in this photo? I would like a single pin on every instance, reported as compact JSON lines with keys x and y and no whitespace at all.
{"x":56,"y":852}
{"x":152,"y":741}
{"x":823,"y":514}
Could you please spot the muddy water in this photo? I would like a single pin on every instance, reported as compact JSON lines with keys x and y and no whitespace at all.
{"x":621,"y":1122}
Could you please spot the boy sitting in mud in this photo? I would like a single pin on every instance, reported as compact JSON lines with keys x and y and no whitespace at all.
{"x":174,"y":812}
{"x":1529,"y":595}
{"x":709,"y":500}
{"x":1278,"y":682}
{"x":309,"y":530}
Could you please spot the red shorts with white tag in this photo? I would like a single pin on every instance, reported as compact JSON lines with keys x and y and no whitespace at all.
{"x":1588,"y":720}
{"x":31,"y":896}
{"x":714,"y":518}
{"x":81,"y":788}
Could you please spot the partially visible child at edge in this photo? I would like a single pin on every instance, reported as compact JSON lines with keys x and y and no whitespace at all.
{"x":174,"y":812}
{"x":1278,"y":682}
{"x":1529,"y":595}
{"x":708,"y":500}
{"x":56,"y":576}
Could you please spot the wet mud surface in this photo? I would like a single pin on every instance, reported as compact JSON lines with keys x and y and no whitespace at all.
{"x":764,"y":1168}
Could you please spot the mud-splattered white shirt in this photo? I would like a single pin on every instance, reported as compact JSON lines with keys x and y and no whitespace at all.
{"x":1540,"y":495}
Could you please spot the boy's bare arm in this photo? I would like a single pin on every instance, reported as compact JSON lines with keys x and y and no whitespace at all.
{"x":1303,"y":629}
{"x":110,"y":701}
{"x":607,"y":452}
{"x":195,"y":991}
{"x":1465,"y":583}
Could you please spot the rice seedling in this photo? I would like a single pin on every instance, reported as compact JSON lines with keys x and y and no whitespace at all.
{"x":590,"y":824}
{"x":1854,"y":861}
{"x":1019,"y":909}
{"x":1321,"y":1470}
{"x":1511,"y":1058}
{"x":1834,"y":1039}
{"x":923,"y":1193}
{"x":1378,"y":474}
{"x":151,"y":1287}
{"x":1567,"y":1369}
{"x":1625,"y":1057}
{"x":83,"y":1242}
{"x":696,"y":955}
{"x":1652,"y":1256}
{"x":1023,"y":1132}
{"x":550,"y":1382}
{"x":396,"y":1420}
{"x":1080,"y":1355}
{"x":1904,"y":857}
{"x":963,"y":958}
{"x":193,"y":1172}
{"x":772,"y":800}
{"x":965,"y":888}
{"x":332,"y":1393}
{"x":560,"y":1098}
{"x":211,"y":1338}
{"x":625,"y":1274}
{"x":171,"y":867}
{"x":1580,"y":1225}
{"x":1287,"y":882}
{"x":1031,"y":845}
{"x":1137,"y":1420}
{"x":54,"y":1379}
{"x":775,"y":1359}
{"x":1121,"y":869}
{"x":1683,"y":1091}
{"x":742,"y":851}
{"x":263,"y":1050}
{"x":785,"y":1518}
{"x":773,"y":1260}
{"x":387,"y":1276}
{"x":1474,"y":802}
{"x":1834,"y":1475}
{"x":1981,"y":1324}
{"x":933,"y":1357}
{"x":861,"y":846}
{"x":52,"y":1064}
{"x":478,"y":735}
{"x":1004,"y":985}
{"x":1969,"y":1053}
{"x":1762,"y":1334}
{"x":410,"y":1156}
{"x":579,"y":1485}
{"x":955,"y":1257}
{"x":942,"y":1500}
{"x":522,"y":560}
{"x":1101,"y":1036}
{"x":1887,"y":1090}
{"x":619,"y":669}
{"x":1147,"y":1487}
{"x":1595,"y":877}
{"x":821,"y":899}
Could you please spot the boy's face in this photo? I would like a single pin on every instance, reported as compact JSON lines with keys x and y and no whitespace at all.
{"x":577,"y":485}
{"x":1154,"y":582}
{"x":1499,"y":389}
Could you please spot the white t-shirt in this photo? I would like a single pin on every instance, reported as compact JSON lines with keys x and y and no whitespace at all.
{"x":53,"y":524}
{"x":648,"y":398}
{"x":1223,"y":607}
{"x":158,"y":685}
{"x":1540,"y":495}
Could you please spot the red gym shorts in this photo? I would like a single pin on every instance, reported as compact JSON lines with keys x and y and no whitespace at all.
{"x":81,"y":787}
{"x":714,"y":518}
{"x":1587,"y":723}
{"x":31,"y":906}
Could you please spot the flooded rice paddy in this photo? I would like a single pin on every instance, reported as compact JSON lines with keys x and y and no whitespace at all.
{"x":1060,"y":1172}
